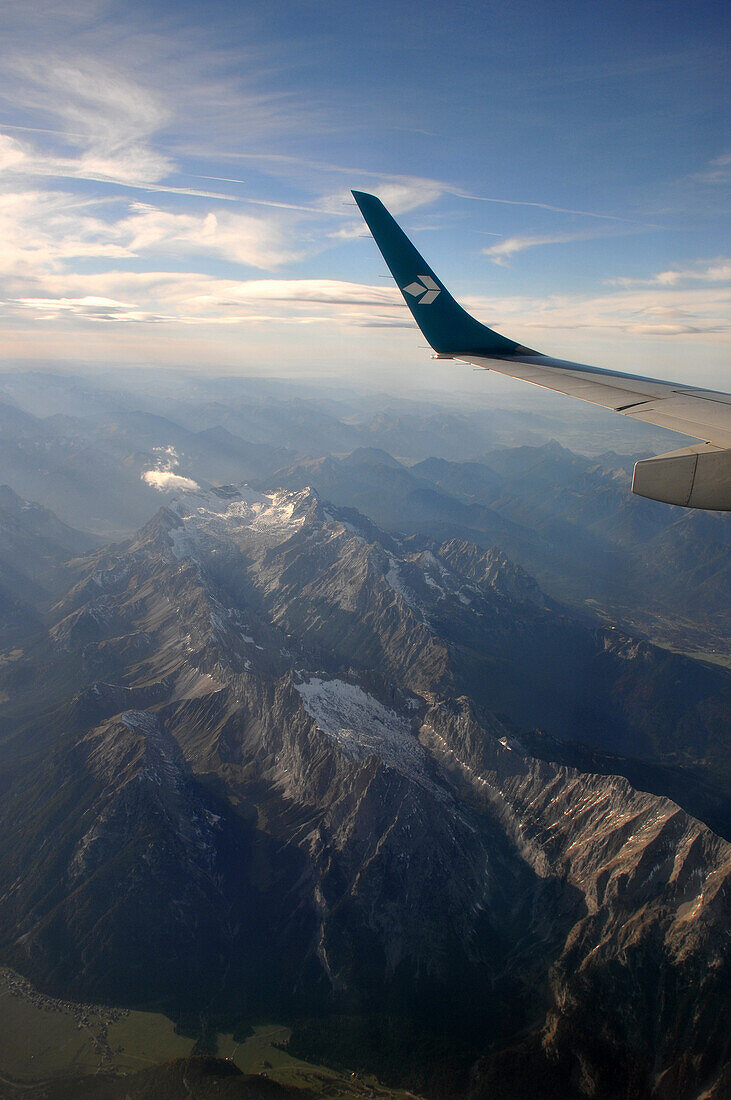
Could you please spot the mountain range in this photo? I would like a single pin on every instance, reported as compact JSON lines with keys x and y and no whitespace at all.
{"x":264,"y":758}
{"x":99,"y":458}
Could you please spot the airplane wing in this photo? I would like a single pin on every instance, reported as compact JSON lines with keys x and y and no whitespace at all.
{"x":698,"y":476}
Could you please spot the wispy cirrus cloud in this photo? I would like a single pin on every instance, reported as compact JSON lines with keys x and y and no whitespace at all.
{"x":12,"y":154}
{"x":505,"y":249}
{"x":118,"y":162}
{"x":107,"y":92}
{"x":718,"y":171}
{"x":401,"y":193}
{"x":106,"y":118}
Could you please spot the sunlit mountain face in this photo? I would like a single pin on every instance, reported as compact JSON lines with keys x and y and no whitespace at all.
{"x":420,"y":757}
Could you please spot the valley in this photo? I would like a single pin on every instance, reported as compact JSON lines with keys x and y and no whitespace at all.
{"x":45,"y":1039}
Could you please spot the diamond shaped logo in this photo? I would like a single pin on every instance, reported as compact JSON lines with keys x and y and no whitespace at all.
{"x":426,"y":290}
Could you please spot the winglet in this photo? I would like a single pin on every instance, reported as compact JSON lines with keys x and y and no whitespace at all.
{"x":450,"y":330}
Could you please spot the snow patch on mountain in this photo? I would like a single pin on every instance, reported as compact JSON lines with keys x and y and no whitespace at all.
{"x":394,"y":580}
{"x":362,"y":726}
{"x":229,"y":517}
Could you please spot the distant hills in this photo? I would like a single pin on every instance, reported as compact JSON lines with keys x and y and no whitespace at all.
{"x":81,"y":448}
{"x":34,"y":548}
{"x":569,"y":520}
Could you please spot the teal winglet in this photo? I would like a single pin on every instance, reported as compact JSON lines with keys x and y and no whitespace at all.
{"x":449,"y":329}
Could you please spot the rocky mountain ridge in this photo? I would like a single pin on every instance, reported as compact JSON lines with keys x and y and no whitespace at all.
{"x":257,"y":750}
{"x":94,"y":452}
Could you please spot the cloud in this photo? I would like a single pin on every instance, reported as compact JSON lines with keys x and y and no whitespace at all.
{"x":668,"y":330}
{"x":110,"y":122}
{"x":12,"y":154}
{"x":717,"y":172}
{"x":163,"y":476}
{"x":504,"y":250}
{"x":324,"y":291}
{"x":165,"y":480}
{"x":102,"y":95}
{"x":718,"y":272}
{"x":256,"y":241}
{"x":108,"y":92}
{"x":101,"y":104}
{"x":646,"y":311}
{"x":538,"y":205}
{"x":107,"y":117}
{"x":89,"y":305}
{"x":89,"y":308}
{"x":132,"y":103}
{"x":44,"y":232}
{"x":704,"y":271}
{"x":248,"y":200}
{"x":401,"y":193}
{"x":176,"y":301}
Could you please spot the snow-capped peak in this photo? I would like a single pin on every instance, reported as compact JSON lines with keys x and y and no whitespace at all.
{"x":237,"y":515}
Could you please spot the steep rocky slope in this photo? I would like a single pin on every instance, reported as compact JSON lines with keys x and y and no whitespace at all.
{"x":252,"y":766}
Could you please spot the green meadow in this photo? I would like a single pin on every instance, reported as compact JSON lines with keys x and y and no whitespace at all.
{"x":42,"y":1038}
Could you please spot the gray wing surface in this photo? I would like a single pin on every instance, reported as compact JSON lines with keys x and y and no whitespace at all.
{"x":698,"y":476}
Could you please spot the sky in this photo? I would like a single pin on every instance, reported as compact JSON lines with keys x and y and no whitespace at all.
{"x":175,"y":182}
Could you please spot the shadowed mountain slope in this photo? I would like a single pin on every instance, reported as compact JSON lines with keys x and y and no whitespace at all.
{"x":265,"y":760}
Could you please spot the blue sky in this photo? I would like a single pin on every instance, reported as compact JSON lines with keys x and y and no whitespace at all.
{"x":175,"y":181}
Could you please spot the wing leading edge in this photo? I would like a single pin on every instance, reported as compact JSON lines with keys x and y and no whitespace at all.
{"x":697,"y":477}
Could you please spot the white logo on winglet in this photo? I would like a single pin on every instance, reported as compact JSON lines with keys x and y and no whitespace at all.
{"x":426,"y":290}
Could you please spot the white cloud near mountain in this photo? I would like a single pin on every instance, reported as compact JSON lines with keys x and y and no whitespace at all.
{"x":166,"y":480}
{"x":163,"y":476}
